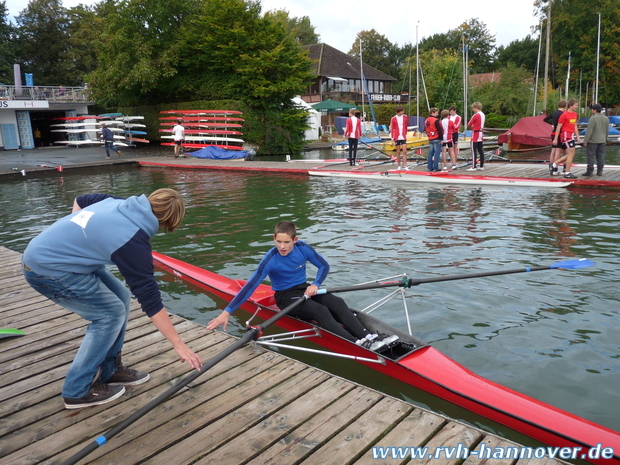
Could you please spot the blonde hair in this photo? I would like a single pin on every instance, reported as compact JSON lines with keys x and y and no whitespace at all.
{"x":477,"y":105}
{"x":168,"y":207}
{"x":444,"y":114}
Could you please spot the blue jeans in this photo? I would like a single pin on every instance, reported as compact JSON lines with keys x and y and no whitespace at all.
{"x":109,"y":145}
{"x":434,"y":154}
{"x":104,"y":301}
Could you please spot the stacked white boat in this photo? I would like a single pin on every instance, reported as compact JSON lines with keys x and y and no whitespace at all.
{"x":86,"y":130}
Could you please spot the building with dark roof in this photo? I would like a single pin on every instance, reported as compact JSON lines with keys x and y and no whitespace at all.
{"x":338,"y":78}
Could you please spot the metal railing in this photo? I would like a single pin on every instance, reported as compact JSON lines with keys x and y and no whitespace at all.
{"x":53,"y":94}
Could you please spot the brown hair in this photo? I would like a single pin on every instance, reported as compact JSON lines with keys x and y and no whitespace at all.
{"x":444,"y":113}
{"x":572,"y":101}
{"x":400,"y":108}
{"x":168,"y":207}
{"x":562,"y":104}
{"x":477,"y":105}
{"x":452,"y":108}
{"x":286,"y":227}
{"x":432,"y":110}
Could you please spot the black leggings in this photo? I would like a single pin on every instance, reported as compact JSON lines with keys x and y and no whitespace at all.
{"x":327,"y":310}
{"x":477,"y":147}
{"x":352,"y":151}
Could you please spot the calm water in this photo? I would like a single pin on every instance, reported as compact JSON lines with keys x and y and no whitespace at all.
{"x":551,"y":334}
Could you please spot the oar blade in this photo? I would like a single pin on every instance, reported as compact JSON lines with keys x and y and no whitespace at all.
{"x":11,"y":332}
{"x":573,"y":264}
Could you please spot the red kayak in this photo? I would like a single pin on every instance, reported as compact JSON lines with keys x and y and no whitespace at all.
{"x":199,"y":119}
{"x":420,"y":365}
{"x":202,"y":112}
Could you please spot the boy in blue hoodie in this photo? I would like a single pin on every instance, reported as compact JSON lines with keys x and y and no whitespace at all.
{"x":67,"y":263}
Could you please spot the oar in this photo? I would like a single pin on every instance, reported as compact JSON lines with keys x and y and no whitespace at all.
{"x":11,"y":332}
{"x":409,"y":282}
{"x":252,"y":334}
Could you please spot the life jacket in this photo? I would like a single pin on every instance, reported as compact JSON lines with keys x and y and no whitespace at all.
{"x":430,"y":127}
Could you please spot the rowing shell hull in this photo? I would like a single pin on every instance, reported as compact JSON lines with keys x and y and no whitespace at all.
{"x":443,"y":178}
{"x":427,"y":369}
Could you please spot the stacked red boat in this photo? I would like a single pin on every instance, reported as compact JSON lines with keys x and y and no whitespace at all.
{"x":204,"y":128}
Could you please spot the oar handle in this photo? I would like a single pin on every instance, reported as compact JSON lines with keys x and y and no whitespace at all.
{"x":361,"y":287}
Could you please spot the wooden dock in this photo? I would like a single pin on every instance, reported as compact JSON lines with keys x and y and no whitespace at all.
{"x":255,"y":407}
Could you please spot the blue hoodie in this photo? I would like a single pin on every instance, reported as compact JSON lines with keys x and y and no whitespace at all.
{"x":106,"y":231}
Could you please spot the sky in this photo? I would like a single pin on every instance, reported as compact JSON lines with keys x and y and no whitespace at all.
{"x":338,"y":22}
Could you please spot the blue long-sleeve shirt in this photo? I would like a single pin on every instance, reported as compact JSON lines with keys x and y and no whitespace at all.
{"x":284,"y":271}
{"x":107,"y":230}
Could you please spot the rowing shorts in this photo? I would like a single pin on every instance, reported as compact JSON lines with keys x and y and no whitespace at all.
{"x":448,"y":144}
{"x":568,"y":140}
{"x":179,"y":142}
{"x":455,"y":137}
{"x":555,"y":146}
{"x":399,"y":142}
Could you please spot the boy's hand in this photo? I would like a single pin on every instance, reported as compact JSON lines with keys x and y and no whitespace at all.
{"x":311,"y":290}
{"x":222,"y":319}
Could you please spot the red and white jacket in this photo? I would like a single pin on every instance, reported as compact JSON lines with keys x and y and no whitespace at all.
{"x":353,"y":129}
{"x":399,"y":132}
{"x":476,"y":123}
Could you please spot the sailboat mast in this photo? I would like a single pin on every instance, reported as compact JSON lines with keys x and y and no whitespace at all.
{"x":417,"y":80}
{"x":537,"y":69}
{"x":362,"y":80}
{"x":547,"y":58}
{"x":567,"y":78}
{"x":598,"y":56}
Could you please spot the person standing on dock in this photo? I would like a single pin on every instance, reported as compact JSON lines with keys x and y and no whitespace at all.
{"x":595,"y":139}
{"x":447,"y":145}
{"x":567,"y":128}
{"x":178,"y":132}
{"x":552,"y":119}
{"x":67,"y":264}
{"x":353,"y":132}
{"x":285,"y":264}
{"x":398,"y":133}
{"x":476,"y":123}
{"x":434,"y":132}
{"x":456,"y":122}
{"x":108,"y":141}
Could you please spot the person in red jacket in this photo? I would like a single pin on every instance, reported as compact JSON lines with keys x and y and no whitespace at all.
{"x":456,"y":121}
{"x":434,"y":132}
{"x":353,"y":132}
{"x":398,"y":132}
{"x":446,"y":142}
{"x":476,"y":123}
{"x":565,"y":134}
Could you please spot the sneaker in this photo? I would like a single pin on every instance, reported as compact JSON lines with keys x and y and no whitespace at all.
{"x":445,"y":167}
{"x":599,"y":172}
{"x":100,"y":393}
{"x":473,"y":168}
{"x":454,"y":167}
{"x":551,"y":169}
{"x":119,"y":153}
{"x":395,"y":169}
{"x":383,"y":341}
{"x":124,"y":376}
{"x":555,"y":168}
{"x":107,"y":158}
{"x":569,"y":176}
{"x":480,"y":168}
{"x":405,"y":168}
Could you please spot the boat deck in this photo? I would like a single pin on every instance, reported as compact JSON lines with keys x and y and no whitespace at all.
{"x":255,"y":407}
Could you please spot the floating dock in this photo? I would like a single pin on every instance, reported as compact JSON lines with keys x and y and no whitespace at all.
{"x":255,"y":407}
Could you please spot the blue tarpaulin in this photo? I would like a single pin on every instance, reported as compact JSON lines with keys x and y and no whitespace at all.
{"x":216,"y":153}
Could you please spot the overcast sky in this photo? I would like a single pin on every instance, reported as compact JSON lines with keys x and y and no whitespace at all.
{"x":338,"y":21}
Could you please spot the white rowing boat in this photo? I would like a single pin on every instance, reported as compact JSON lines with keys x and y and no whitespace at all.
{"x":443,"y":178}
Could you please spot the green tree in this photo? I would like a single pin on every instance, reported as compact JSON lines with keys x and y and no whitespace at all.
{"x":510,"y":96}
{"x":84,"y":33}
{"x":139,"y":50}
{"x":250,"y":57}
{"x":443,"y":78}
{"x":378,"y":52}
{"x":42,"y":47}
{"x":476,"y":37}
{"x":523,"y":52}
{"x":300,"y":28}
{"x":7,"y":45}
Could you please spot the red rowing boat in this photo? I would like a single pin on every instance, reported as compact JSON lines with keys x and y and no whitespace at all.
{"x":420,"y":365}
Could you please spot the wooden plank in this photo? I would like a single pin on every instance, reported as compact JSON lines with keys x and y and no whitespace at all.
{"x":360,"y":435}
{"x":451,"y":435}
{"x":309,"y":436}
{"x":52,"y":417}
{"x":414,"y":431}
{"x":271,"y":429}
{"x":198,"y":410}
